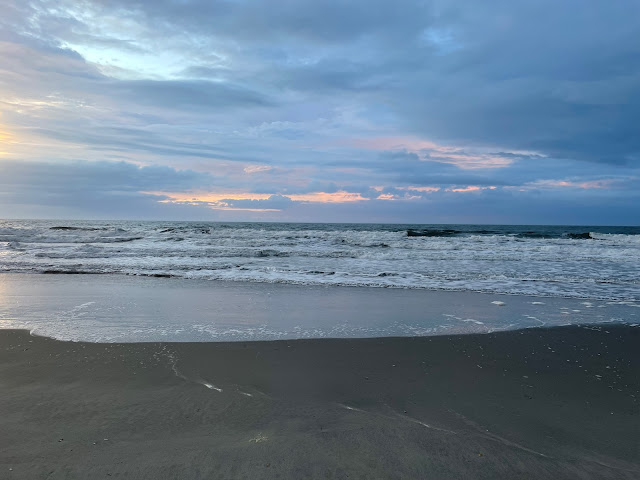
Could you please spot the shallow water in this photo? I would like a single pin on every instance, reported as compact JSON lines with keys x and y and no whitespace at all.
{"x":118,"y":308}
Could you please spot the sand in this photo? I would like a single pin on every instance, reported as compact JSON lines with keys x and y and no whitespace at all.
{"x":539,"y":403}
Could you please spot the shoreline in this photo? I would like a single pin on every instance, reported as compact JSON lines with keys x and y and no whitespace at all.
{"x":589,"y":326}
{"x":559,"y":402}
{"x":113,"y":308}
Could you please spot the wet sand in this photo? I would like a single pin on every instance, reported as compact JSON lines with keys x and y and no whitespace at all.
{"x":539,"y":403}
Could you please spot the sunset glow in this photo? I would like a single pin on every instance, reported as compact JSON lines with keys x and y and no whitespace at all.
{"x":233,"y":111}
{"x":430,"y":151}
{"x":222,"y":201}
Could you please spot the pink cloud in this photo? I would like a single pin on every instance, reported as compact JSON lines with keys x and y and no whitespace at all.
{"x":431,"y":151}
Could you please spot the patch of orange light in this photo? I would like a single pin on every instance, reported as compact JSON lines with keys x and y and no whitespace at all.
{"x":6,"y":139}
{"x":471,"y":188}
{"x":219,"y":198}
{"x":206,"y":197}
{"x":324,"y":197}
{"x":386,"y":196}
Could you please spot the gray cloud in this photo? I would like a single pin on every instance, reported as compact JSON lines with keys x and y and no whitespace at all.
{"x":273,"y":202}
{"x":89,"y":190}
{"x":115,"y":190}
{"x":94,"y":176}
{"x":189,"y":94}
{"x":216,"y":86}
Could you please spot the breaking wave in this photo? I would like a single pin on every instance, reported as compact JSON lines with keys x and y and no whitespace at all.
{"x":586,"y":262}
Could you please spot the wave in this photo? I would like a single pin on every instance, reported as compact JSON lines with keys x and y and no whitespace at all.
{"x":545,"y":260}
{"x":82,"y":229}
{"x":63,"y":240}
{"x":533,"y":235}
{"x":432,"y":233}
{"x":271,"y":253}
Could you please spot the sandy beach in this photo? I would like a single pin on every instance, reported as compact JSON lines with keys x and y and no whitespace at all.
{"x":537,"y":403}
{"x":311,"y":239}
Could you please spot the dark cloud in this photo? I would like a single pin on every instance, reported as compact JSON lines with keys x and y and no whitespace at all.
{"x":282,"y":97}
{"x":117,"y":190}
{"x":188,"y":94}
{"x":486,"y":206}
{"x":104,"y":176}
{"x":102,"y":189}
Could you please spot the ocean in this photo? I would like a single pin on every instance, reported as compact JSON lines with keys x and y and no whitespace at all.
{"x":557,"y":261}
{"x":125,"y":281}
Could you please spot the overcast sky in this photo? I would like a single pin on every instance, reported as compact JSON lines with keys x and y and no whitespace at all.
{"x":452,"y":111}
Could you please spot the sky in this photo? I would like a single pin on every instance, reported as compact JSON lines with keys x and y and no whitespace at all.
{"x":411,"y":111}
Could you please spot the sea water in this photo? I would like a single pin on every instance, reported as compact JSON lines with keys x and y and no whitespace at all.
{"x":578,"y":262}
{"x":240,"y":281}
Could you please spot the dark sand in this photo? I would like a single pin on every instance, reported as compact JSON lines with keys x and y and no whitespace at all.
{"x":556,"y":403}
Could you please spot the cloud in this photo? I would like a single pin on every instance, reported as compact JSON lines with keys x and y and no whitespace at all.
{"x":274,"y":202}
{"x":89,"y":190}
{"x":105,"y":176}
{"x":190,"y":94}
{"x":316,"y":98}
{"x":123,"y":190}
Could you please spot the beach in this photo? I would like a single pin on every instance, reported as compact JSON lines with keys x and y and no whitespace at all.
{"x":184,"y":350}
{"x":319,"y":240}
{"x":537,"y":403}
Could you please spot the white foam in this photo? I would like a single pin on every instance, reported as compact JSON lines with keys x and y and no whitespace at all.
{"x":211,"y":387}
{"x":477,"y":322}
{"x":605,"y":269}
